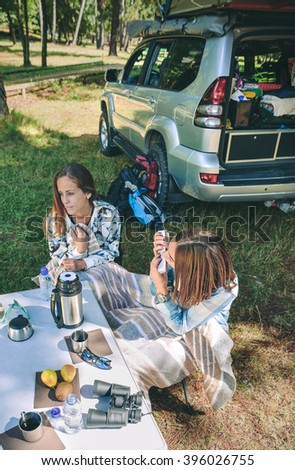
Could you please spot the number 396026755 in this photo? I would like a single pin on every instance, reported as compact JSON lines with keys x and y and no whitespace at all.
{"x":211,"y":459}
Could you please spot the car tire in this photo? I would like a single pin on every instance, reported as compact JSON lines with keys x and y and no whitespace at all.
{"x":158,"y":153}
{"x":106,"y":144}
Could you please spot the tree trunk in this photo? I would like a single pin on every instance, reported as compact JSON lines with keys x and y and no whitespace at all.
{"x":53,"y":22}
{"x":11,"y":27}
{"x":99,"y":28}
{"x":122,"y":24}
{"x":124,"y":40}
{"x":101,"y":36}
{"x":23,"y":37}
{"x":123,"y":37}
{"x":115,"y":26}
{"x":96,"y":23}
{"x":27,"y":39}
{"x":3,"y":102}
{"x":126,"y":43}
{"x":74,"y":42}
{"x":44,"y":33}
{"x":41,"y":19}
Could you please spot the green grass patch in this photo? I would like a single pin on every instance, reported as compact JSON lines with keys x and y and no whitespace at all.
{"x":35,"y":73}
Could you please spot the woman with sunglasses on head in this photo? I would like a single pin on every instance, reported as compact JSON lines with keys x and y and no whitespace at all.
{"x":200,"y":282}
{"x":83,"y":230}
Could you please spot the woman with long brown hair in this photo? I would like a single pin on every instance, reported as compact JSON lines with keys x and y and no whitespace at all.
{"x":200,"y":282}
{"x":83,"y":231}
{"x":170,"y":324}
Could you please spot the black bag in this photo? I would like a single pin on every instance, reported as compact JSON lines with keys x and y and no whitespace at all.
{"x":129,"y":182}
{"x":119,"y":191}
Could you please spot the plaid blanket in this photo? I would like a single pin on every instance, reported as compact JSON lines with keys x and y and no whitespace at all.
{"x":155,"y":354}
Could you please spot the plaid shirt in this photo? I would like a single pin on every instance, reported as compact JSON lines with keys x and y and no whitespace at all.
{"x":103,"y":230}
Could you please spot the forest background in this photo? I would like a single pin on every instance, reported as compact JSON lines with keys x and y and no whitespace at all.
{"x":73,"y":22}
{"x":58,"y":123}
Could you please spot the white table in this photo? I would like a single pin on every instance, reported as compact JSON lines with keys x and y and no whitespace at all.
{"x":47,"y":349}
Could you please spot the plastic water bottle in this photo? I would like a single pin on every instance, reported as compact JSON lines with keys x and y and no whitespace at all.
{"x":45,"y":283}
{"x":56,"y":419}
{"x":72,"y":412}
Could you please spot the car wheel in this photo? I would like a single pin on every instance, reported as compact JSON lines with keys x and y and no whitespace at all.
{"x":106,"y":145}
{"x":158,"y":153}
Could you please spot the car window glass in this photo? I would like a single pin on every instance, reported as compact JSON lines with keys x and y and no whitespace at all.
{"x":264,"y":60}
{"x":182,"y":64}
{"x":158,"y":63}
{"x":134,"y":66}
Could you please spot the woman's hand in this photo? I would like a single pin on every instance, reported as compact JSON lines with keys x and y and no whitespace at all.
{"x":72,"y":264}
{"x":80,"y":238}
{"x":159,"y":242}
{"x":160,"y":280}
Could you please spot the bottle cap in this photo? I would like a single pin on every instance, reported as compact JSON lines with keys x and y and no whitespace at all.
{"x":71,"y":399}
{"x":44,"y":271}
{"x":55,"y":412}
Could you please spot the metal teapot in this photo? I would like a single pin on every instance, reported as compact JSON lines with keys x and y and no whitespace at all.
{"x":66,"y":301}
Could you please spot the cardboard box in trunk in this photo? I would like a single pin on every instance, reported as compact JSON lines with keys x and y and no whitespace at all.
{"x":240,"y":113}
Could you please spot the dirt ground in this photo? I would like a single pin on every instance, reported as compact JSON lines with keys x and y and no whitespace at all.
{"x":86,"y":113}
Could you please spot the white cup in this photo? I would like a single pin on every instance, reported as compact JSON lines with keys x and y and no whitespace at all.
{"x":79,"y":340}
{"x":31,"y":426}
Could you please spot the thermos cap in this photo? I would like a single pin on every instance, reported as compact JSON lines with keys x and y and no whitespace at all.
{"x":69,"y":283}
{"x":68,"y":276}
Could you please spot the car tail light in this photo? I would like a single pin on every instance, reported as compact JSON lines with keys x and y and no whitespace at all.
{"x":211,"y":122}
{"x":209,"y":178}
{"x":209,"y":113}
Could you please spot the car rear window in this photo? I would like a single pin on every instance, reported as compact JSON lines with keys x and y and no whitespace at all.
{"x":265,"y":59}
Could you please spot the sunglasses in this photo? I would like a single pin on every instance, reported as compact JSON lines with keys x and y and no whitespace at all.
{"x":97,"y":361}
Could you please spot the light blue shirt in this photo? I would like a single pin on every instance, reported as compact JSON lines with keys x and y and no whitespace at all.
{"x":181,"y":320}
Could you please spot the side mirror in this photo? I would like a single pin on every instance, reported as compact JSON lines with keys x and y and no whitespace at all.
{"x":111,"y":75}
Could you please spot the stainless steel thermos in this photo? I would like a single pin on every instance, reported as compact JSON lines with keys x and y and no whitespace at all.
{"x":66,"y":301}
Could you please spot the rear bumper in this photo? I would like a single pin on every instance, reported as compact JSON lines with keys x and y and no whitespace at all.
{"x":260,"y":184}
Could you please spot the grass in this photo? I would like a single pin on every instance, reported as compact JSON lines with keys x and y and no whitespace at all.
{"x":260,"y":415}
{"x":59,"y":58}
{"x":36,"y":139}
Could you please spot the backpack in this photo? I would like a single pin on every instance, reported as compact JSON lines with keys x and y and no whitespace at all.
{"x":149,"y":174}
{"x":130,"y":195}
{"x":120,"y":188}
{"x":145,"y":209}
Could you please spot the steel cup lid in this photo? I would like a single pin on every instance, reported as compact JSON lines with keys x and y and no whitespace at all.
{"x":19,"y":322}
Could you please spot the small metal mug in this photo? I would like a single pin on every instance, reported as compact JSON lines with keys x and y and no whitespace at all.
{"x":79,"y":340}
{"x":31,"y":426}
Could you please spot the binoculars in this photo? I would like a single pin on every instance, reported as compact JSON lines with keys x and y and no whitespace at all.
{"x":123,"y":408}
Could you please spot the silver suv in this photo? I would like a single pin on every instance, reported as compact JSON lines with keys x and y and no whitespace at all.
{"x":210,"y":96}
